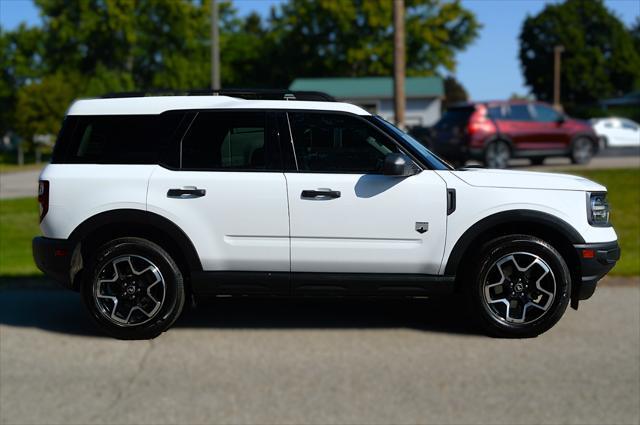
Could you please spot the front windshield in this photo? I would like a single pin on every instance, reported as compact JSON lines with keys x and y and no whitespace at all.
{"x":416,"y":147}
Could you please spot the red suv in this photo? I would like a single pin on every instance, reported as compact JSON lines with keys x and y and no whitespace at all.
{"x":493,"y":132}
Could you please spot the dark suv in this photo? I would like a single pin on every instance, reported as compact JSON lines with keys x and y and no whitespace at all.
{"x":494,"y":132}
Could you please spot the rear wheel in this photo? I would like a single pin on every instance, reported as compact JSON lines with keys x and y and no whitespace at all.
{"x":497,"y":154}
{"x":134,"y":289}
{"x":582,"y":150}
{"x":522,"y":287}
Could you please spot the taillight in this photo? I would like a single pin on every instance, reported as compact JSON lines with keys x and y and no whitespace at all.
{"x":43,"y":198}
{"x":479,"y":122}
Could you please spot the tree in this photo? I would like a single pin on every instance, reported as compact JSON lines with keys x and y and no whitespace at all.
{"x":21,"y":54}
{"x":635,"y":33}
{"x":92,"y":47}
{"x":40,"y":106}
{"x":354,"y":38}
{"x":599,"y":59}
{"x":454,"y":91}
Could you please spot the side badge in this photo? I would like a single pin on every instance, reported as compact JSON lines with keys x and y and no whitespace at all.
{"x":422,"y":226}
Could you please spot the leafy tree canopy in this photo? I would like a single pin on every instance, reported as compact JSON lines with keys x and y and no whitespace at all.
{"x":454,"y":91}
{"x":87,"y":48}
{"x":599,"y":58}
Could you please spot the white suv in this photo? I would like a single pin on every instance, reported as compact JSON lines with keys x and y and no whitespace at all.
{"x":150,"y":200}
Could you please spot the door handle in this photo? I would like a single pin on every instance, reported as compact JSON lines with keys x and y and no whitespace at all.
{"x":186,"y":192}
{"x":320,"y":194}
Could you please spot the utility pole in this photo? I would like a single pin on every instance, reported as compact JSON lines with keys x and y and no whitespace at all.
{"x":215,"y":47}
{"x":399,"y":99}
{"x":557,"y":52}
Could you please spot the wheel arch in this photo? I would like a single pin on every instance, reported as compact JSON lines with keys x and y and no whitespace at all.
{"x":586,"y":135}
{"x":560,"y":234}
{"x":498,"y":137}
{"x":108,"y":225}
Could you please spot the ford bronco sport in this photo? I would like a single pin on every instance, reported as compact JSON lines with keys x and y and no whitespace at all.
{"x":150,"y":200}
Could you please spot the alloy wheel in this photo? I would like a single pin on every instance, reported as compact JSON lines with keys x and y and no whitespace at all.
{"x":498,"y":155}
{"x":582,"y":150}
{"x":129,"y":290}
{"x":519,"y":288}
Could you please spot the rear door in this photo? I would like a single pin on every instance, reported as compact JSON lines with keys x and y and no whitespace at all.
{"x":228,"y":192}
{"x":346,"y":216}
{"x":515,"y":122}
{"x":551,"y":133}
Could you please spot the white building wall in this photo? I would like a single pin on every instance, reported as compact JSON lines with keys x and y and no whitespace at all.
{"x":421,"y":112}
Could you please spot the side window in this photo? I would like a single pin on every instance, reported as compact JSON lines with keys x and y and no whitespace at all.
{"x":546,"y":114}
{"x":497,"y":112}
{"x":519,"y":112}
{"x":629,"y":125}
{"x":229,"y":141}
{"x":336,"y":143}
{"x":119,"y":139}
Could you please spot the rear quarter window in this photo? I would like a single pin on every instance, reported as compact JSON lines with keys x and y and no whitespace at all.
{"x":119,"y":139}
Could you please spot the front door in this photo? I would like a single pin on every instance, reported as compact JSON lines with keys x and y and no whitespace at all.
{"x":345,"y":216}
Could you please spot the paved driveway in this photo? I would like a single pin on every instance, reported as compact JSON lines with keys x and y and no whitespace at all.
{"x":19,"y":185}
{"x":285,"y":361}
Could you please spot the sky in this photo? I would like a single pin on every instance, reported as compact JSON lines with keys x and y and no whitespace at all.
{"x":489,"y":68}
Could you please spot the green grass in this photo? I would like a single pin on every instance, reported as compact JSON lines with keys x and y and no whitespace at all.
{"x":14,"y":168}
{"x":623,"y":186}
{"x":19,"y":224}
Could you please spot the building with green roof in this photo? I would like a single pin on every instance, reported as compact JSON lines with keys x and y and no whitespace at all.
{"x":375,"y":94}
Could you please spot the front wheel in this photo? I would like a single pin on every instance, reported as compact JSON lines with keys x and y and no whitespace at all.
{"x":582,"y":150}
{"x":497,"y":155}
{"x":522,"y":287}
{"x":134,"y":289}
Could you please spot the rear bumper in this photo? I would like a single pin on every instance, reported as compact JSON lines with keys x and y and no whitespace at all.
{"x":596,"y":259}
{"x":53,"y":257}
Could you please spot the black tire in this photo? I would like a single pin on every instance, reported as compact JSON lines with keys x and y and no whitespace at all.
{"x":497,"y":154}
{"x":604,"y":142}
{"x":582,"y":150}
{"x":496,"y":293}
{"x":157,"y":297}
{"x":539,"y":160}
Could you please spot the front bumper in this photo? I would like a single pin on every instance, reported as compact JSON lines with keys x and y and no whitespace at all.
{"x":53,"y":257}
{"x":596,"y":259}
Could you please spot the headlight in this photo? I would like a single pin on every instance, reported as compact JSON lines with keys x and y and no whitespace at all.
{"x":597,"y":209}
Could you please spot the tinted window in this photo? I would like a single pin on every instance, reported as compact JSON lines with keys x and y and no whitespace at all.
{"x":546,"y":114}
{"x":629,"y":125}
{"x":414,"y":146}
{"x":335,"y":143}
{"x":228,"y":141}
{"x":497,"y":112}
{"x":119,"y":139}
{"x":518,"y":113}
{"x":454,"y":117}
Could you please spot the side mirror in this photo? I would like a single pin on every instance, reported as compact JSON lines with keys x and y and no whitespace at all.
{"x":397,"y":164}
{"x":561,"y":119}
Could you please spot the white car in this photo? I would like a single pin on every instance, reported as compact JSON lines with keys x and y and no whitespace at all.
{"x":617,"y":132}
{"x":150,"y":200}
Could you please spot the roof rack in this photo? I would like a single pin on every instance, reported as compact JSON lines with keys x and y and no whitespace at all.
{"x":251,"y":94}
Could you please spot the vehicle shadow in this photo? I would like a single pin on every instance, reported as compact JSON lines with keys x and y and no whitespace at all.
{"x":61,"y":311}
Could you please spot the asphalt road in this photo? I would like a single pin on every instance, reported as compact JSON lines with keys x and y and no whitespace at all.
{"x":240,"y":361}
